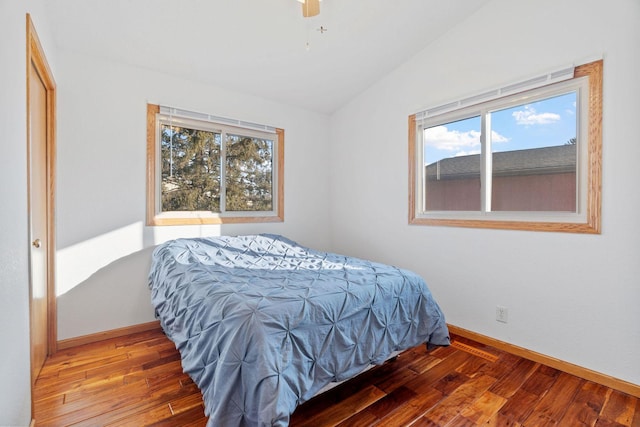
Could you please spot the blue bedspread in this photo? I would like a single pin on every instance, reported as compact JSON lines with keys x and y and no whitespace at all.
{"x":262,"y":324}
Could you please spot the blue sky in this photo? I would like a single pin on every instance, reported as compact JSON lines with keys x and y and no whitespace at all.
{"x":544,"y":123}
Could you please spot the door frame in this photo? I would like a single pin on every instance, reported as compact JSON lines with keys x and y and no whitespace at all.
{"x":35,"y":56}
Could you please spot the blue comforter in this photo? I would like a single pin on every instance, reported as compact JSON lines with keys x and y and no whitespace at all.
{"x":262,"y":323}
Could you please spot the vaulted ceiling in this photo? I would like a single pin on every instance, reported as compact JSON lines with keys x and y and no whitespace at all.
{"x":259,"y":47}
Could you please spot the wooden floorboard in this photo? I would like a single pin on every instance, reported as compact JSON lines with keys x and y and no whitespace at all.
{"x":137,"y":380}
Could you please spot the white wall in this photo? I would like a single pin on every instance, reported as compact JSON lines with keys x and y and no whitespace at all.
{"x":15,"y":391}
{"x":103,"y":245}
{"x":573,"y":297}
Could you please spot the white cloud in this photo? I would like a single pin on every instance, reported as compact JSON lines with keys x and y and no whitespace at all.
{"x":496,"y":137}
{"x":462,"y":143}
{"x":441,"y":138}
{"x":529,"y":116}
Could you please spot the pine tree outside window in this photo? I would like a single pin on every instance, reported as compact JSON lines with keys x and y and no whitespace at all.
{"x":203,"y":171}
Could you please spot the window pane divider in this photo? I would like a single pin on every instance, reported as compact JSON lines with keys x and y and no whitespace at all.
{"x":486,"y":177}
{"x":223,"y":172}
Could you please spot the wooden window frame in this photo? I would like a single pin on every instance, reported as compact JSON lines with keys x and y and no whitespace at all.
{"x":154,"y":217}
{"x":593,"y":176}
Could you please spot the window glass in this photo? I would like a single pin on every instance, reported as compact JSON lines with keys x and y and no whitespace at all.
{"x":533,"y":149}
{"x":452,"y":166}
{"x":190,"y":169}
{"x":249,"y":166}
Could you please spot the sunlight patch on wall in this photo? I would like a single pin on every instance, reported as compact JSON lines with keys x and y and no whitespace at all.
{"x":77,"y":263}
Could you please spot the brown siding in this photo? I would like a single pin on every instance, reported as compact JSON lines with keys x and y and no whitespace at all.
{"x":540,"y":192}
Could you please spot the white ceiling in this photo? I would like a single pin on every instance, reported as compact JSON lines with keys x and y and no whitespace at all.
{"x":258,"y":46}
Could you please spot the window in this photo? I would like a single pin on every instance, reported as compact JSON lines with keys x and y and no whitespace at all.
{"x":203,"y":170}
{"x":529,"y":160}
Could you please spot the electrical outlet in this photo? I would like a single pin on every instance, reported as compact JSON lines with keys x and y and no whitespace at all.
{"x":502,"y":314}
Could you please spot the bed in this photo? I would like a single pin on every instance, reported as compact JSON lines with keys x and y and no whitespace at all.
{"x":263,"y":324}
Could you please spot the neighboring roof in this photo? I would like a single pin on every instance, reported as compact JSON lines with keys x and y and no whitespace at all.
{"x":533,"y":161}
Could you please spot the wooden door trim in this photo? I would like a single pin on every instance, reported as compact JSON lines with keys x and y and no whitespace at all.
{"x":35,"y":56}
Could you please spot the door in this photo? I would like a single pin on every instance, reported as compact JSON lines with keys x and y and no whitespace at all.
{"x":38,"y":208}
{"x":40,"y":134}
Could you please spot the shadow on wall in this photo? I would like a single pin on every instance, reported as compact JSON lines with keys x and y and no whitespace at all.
{"x":115,"y":296}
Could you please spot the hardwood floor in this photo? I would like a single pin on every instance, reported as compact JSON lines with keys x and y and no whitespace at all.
{"x":137,"y":381}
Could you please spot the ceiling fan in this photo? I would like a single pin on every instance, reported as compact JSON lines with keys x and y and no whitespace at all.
{"x":310,"y":8}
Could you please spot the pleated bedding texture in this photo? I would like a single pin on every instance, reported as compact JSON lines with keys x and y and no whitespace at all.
{"x":262,"y":323}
